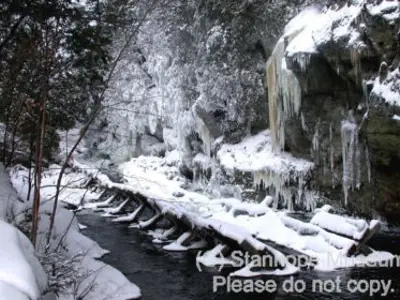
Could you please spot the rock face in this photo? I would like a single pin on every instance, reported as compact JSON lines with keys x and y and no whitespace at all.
{"x":194,"y":74}
{"x":205,"y":74}
{"x":347,"y":124}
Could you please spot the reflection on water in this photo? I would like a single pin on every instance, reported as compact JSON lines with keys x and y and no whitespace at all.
{"x":173,"y":276}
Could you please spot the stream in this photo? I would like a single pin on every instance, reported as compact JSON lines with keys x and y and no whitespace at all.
{"x":163,"y":275}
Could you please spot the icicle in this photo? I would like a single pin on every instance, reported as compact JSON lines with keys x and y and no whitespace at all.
{"x":303,"y":59}
{"x":300,"y":189}
{"x":284,"y":92}
{"x":206,"y":138}
{"x":280,"y":187}
{"x":351,"y":158}
{"x":365,"y":93}
{"x":368,"y":164}
{"x":357,"y":162}
{"x":331,"y":153}
{"x":303,"y":122}
{"x":355,"y":61}
{"x":315,"y":141}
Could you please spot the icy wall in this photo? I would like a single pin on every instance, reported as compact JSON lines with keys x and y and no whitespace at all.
{"x":192,"y":80}
{"x":345,"y":120}
{"x":202,"y":76}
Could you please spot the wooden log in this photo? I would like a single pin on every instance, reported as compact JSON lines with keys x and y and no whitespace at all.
{"x":150,"y":223}
{"x":361,"y":246}
{"x":301,"y":259}
{"x":248,"y":246}
{"x":133,"y":217}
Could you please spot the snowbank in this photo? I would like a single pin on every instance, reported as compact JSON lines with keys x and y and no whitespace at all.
{"x":100,"y":279}
{"x":19,"y":266}
{"x":15,"y":270}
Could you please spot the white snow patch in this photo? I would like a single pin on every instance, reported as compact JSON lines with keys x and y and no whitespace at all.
{"x":15,"y":269}
{"x":388,"y":89}
{"x":177,"y":245}
{"x":354,"y":229}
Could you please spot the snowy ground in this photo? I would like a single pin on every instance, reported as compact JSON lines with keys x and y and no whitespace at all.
{"x":94,"y":279}
{"x":21,"y":275}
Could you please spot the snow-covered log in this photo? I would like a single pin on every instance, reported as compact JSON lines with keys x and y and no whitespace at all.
{"x":132,"y":216}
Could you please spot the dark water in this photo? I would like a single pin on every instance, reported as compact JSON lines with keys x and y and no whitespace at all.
{"x":164,"y":275}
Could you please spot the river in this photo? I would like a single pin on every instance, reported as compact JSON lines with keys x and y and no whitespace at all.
{"x":165,"y":275}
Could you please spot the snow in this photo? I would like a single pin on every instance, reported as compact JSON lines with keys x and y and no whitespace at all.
{"x":275,"y":170}
{"x":144,"y":224}
{"x":303,"y":42}
{"x":389,"y":89}
{"x":177,"y":245}
{"x":15,"y":269}
{"x":388,"y":9}
{"x":339,"y":224}
{"x":8,"y":292}
{"x":115,"y":210}
{"x":255,"y":153}
{"x":162,"y":235}
{"x":103,"y":279}
{"x":18,"y":247}
{"x":130,"y":217}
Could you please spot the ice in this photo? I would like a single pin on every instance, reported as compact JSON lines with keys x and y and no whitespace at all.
{"x":330,"y":24}
{"x":284,"y":91}
{"x":351,"y":158}
{"x":270,"y":169}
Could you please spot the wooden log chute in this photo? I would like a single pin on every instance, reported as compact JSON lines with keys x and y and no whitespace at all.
{"x":192,"y":229}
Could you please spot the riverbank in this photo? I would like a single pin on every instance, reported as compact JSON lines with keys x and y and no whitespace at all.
{"x":72,"y":258}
